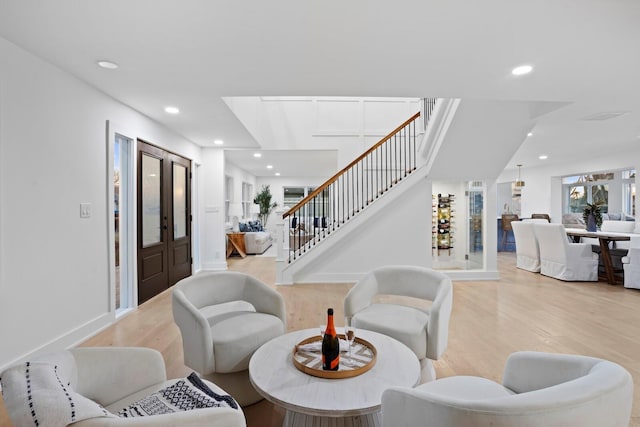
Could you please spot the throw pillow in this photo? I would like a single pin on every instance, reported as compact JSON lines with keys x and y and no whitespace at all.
{"x":243,"y":227}
{"x":184,"y":395}
{"x":34,"y":394}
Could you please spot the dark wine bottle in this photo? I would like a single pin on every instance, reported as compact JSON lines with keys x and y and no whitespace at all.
{"x":330,"y":345}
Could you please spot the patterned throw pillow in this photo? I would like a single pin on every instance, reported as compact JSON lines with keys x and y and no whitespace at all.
{"x":35,"y":394}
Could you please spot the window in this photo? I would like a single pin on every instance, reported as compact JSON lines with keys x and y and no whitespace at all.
{"x":247,"y":199}
{"x":318,"y":207}
{"x":292,"y":195}
{"x":228,"y":197}
{"x":629,"y":192}
{"x":590,"y":188}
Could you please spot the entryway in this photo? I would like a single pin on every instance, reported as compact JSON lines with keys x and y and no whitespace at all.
{"x":164,"y":219}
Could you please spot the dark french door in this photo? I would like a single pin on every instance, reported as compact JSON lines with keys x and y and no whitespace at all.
{"x":164,"y":220}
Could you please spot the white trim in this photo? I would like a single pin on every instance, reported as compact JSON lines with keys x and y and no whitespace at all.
{"x":127,"y":195}
{"x":214,"y":266}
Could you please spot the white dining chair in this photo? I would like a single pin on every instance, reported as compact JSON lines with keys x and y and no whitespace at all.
{"x":564,"y":260}
{"x":527,"y":249}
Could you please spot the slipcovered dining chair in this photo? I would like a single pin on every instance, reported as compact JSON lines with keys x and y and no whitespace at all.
{"x":224,"y":317}
{"x":538,"y":390}
{"x":563,"y":260}
{"x":91,"y":386}
{"x":527,"y":250}
{"x":424,"y":330}
{"x":631,"y":264}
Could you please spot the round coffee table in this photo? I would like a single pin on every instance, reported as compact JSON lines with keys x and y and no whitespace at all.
{"x":315,"y":401}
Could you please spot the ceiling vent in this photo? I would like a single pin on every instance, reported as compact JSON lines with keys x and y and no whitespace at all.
{"x":605,"y":115}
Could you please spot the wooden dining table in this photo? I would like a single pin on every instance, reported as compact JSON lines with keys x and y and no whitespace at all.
{"x":604,"y":238}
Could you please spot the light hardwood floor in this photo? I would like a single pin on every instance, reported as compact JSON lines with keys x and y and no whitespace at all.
{"x":490,"y":319}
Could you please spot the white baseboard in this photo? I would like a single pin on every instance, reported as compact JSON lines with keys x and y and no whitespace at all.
{"x":214,"y":266}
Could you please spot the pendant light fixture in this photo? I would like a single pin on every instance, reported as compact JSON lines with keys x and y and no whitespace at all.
{"x":519,"y":182}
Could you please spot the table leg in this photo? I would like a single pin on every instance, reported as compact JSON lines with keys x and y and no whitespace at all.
{"x":606,"y":259}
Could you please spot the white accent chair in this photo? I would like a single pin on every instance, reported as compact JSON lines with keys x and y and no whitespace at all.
{"x":527,"y":250}
{"x":111,"y":377}
{"x":224,"y":317}
{"x":424,"y":330}
{"x":538,"y":390}
{"x":563,"y":260}
{"x":631,"y":264}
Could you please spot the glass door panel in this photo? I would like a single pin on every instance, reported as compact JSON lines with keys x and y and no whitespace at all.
{"x":151,"y":200}
{"x":179,"y":201}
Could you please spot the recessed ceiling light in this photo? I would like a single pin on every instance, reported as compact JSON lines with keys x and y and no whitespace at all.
{"x":257,"y":155}
{"x":269,"y":166}
{"x":529,"y":134}
{"x":218,"y":142}
{"x":107,"y":64}
{"x":172,"y":110}
{"x":522,"y":70}
{"x":543,"y":157}
{"x":277,"y":174}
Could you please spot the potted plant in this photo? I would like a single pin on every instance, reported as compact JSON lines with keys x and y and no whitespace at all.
{"x":263,"y":200}
{"x":592,"y":216}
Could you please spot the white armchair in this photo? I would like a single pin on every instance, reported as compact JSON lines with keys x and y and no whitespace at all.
{"x":424,"y":330}
{"x":538,"y":390}
{"x":224,"y":317}
{"x":564,"y":260}
{"x":527,"y":250}
{"x":631,"y":264}
{"x":96,"y":383}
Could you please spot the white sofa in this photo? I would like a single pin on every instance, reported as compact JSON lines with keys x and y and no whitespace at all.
{"x":537,"y":390}
{"x":88,"y":386}
{"x":256,"y":242}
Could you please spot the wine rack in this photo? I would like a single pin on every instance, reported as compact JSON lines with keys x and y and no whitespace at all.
{"x":442,"y":228}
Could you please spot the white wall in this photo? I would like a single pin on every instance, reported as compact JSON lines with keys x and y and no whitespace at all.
{"x":54,"y":287}
{"x":542,"y":191}
{"x":239,"y":176}
{"x":213,"y":240}
{"x":390,"y":236}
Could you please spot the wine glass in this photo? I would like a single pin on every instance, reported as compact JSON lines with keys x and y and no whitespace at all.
{"x":350,"y":336}
{"x":323,"y":328}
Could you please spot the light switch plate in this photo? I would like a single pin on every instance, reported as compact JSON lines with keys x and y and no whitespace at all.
{"x":85,"y":210}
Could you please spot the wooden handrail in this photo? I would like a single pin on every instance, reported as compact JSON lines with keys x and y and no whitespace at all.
{"x":334,"y":178}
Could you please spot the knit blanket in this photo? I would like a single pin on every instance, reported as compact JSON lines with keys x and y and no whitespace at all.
{"x":35,"y":394}
{"x":184,"y":395}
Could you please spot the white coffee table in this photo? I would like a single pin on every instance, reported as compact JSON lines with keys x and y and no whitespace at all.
{"x":312,"y":401}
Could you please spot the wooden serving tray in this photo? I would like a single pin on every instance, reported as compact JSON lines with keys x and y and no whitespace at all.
{"x":363,"y":354}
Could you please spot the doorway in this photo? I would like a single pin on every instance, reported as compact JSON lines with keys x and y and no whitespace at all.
{"x":164,"y":220}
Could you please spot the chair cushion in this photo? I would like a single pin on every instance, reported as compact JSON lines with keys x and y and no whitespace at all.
{"x":406,"y":324}
{"x":211,"y":312}
{"x":237,"y":335}
{"x":466,"y":388}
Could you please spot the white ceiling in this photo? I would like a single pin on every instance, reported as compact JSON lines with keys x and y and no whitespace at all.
{"x":190,"y":53}
{"x":298,"y":163}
